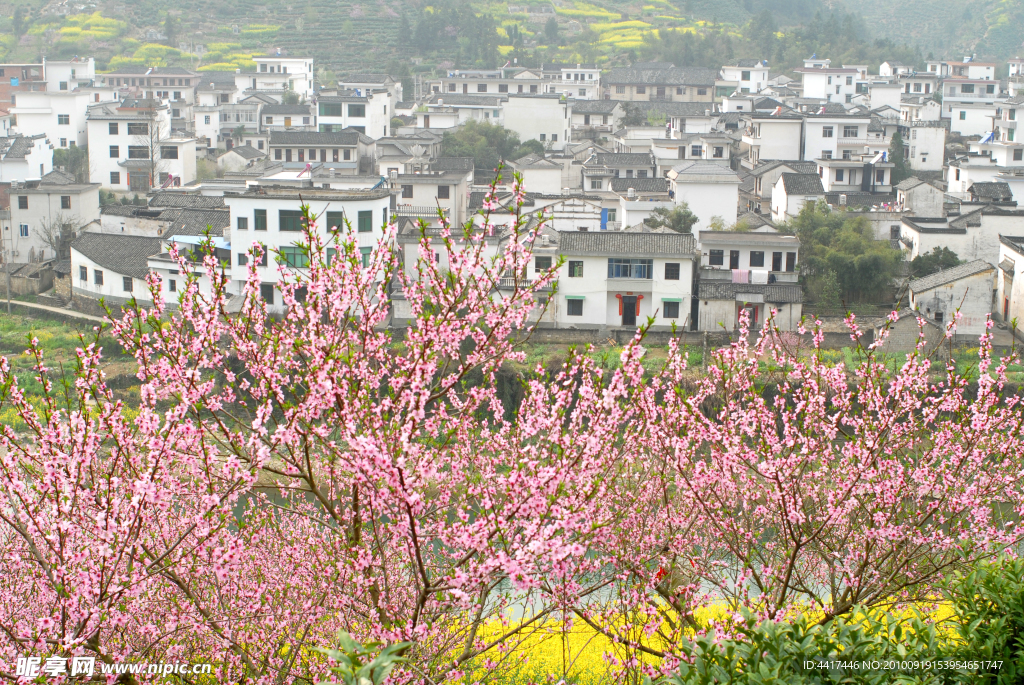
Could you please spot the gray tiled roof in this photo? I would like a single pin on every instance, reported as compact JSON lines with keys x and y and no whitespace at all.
{"x":991,"y":189}
{"x":534,"y":160}
{"x":909,"y":183}
{"x":123,"y":254}
{"x":62,"y":266}
{"x":190,"y":200}
{"x":640,"y":185}
{"x":700,"y":168}
{"x":797,"y":167}
{"x":1015,"y":243}
{"x":744,"y":63}
{"x":595,"y":106}
{"x":721,"y":290}
{"x":673,"y":109}
{"x":18,"y":147}
{"x":196,"y":221}
{"x":946,"y":276}
{"x":675,"y":76}
{"x":57,"y":178}
{"x":802,"y":184}
{"x":247,"y":151}
{"x":452,"y":164}
{"x":622,"y":244}
{"x":346,"y":137}
{"x":614,"y":159}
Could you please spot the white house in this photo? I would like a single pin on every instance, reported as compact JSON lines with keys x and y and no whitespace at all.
{"x":1010,"y":281}
{"x":710,"y":189}
{"x":42,"y":210}
{"x":270,"y":216}
{"x":582,"y":82}
{"x":540,"y":175}
{"x":25,"y":157}
{"x":620,"y":278}
{"x":749,"y":75}
{"x":239,"y":157}
{"x":966,"y":287}
{"x":921,"y":198}
{"x":792,"y":192}
{"x":973,"y":234}
{"x":66,"y":75}
{"x":60,"y":115}
{"x":368,"y":113}
{"x":751,"y":271}
{"x":835,"y":135}
{"x":924,"y":143}
{"x":545,"y":117}
{"x":112,"y":267}
{"x":278,"y":74}
{"x":768,"y":137}
{"x":827,"y":83}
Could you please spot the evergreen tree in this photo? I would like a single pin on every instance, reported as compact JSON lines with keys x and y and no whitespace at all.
{"x":897,"y":156}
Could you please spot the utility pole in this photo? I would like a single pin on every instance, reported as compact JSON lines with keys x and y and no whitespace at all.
{"x":7,"y":269}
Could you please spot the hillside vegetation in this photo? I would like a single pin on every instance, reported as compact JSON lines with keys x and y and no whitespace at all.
{"x":354,"y":35}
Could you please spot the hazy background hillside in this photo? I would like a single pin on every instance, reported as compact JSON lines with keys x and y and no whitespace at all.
{"x":353,"y":35}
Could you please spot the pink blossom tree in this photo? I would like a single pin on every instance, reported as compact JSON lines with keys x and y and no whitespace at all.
{"x":286,"y":478}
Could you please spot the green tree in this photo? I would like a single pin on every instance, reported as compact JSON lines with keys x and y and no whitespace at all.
{"x":633,"y":115}
{"x":74,"y":160}
{"x":171,"y":30}
{"x":897,"y":156}
{"x":18,"y":21}
{"x":938,"y":259}
{"x":680,"y":219}
{"x":551,"y":30}
{"x":845,"y":245}
{"x":488,"y":144}
{"x":828,"y":293}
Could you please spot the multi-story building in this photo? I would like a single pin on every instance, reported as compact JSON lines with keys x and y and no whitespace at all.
{"x":581,"y":82}
{"x":19,"y":78}
{"x":60,"y":115}
{"x":347,"y":152}
{"x":132,"y":148}
{"x":269,"y":215}
{"x":368,"y":112}
{"x":970,"y":104}
{"x":748,"y":75}
{"x":827,"y":83}
{"x":69,"y":74}
{"x":546,"y":118}
{"x":1010,"y":279}
{"x":660,"y":82}
{"x":275,"y":118}
{"x":47,"y":213}
{"x":278,"y":74}
{"x":25,"y":157}
{"x":771,"y":136}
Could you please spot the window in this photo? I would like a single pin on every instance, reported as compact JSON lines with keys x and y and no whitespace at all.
{"x":288,"y":155}
{"x":112,"y":128}
{"x":849,"y":80}
{"x":641,"y":90}
{"x":847,"y":154}
{"x":115,"y":178}
{"x":138,"y":152}
{"x":302,"y":155}
{"x":719,"y":152}
{"x":702,"y":91}
{"x":776,"y":261}
{"x":1018,"y":155}
{"x":407,"y":192}
{"x":126,"y":283}
{"x":169,"y":152}
{"x":206,"y":119}
{"x":177,"y":95}
{"x":259,"y":220}
{"x":595,"y":184}
{"x":267,"y":292}
{"x":543,"y":137}
{"x":443,"y":192}
{"x":23,"y":202}
{"x":347,"y":155}
{"x":172,"y":285}
{"x":294,"y":256}
{"x":115,"y":151}
{"x":365,"y":221}
{"x":502,"y":87}
{"x":97,"y":277}
{"x":65,"y":202}
{"x":695,"y":150}
{"x":680,"y":91}
{"x":963,"y":115}
{"x":744,"y":76}
{"x":270,"y":120}
{"x":554,"y":137}
{"x":756,"y":258}
{"x":365,"y":253}
{"x":630,"y":268}
{"x":277,"y":153}
{"x":574,"y":307}
{"x":305,"y":121}
{"x":541,"y":264}
{"x":672,"y":271}
{"x":670,"y":310}
{"x":330,"y":110}
{"x":481,"y":87}
{"x":259,"y":144}
{"x":335,"y":220}
{"x":138,"y":129}
{"x":967,"y":88}
{"x":826,"y":154}
{"x":840,"y":175}
{"x":289,"y":220}
{"x":620,"y":89}
{"x":83,"y":273}
{"x":790,"y":261}
{"x":576,"y":269}
{"x":850,"y":131}
{"x":826,"y":131}
{"x":243,"y":259}
{"x":243,"y":223}
{"x":990,"y":89}
{"x":63,"y":119}
{"x":23,"y":230}
{"x":716,"y":257}
{"x":357,"y":110}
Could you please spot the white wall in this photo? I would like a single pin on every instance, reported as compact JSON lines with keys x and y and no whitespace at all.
{"x":112,"y":288}
{"x":1009,"y":304}
{"x":43,"y":209}
{"x":42,"y":112}
{"x":927,"y":145}
{"x":35,"y":164}
{"x":972,"y":296}
{"x":708,"y":200}
{"x":542,"y":180}
{"x":532,"y":117}
{"x":978,"y":119}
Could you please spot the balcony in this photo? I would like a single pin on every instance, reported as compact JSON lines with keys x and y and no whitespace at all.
{"x":850,"y":142}
{"x":509,"y":283}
